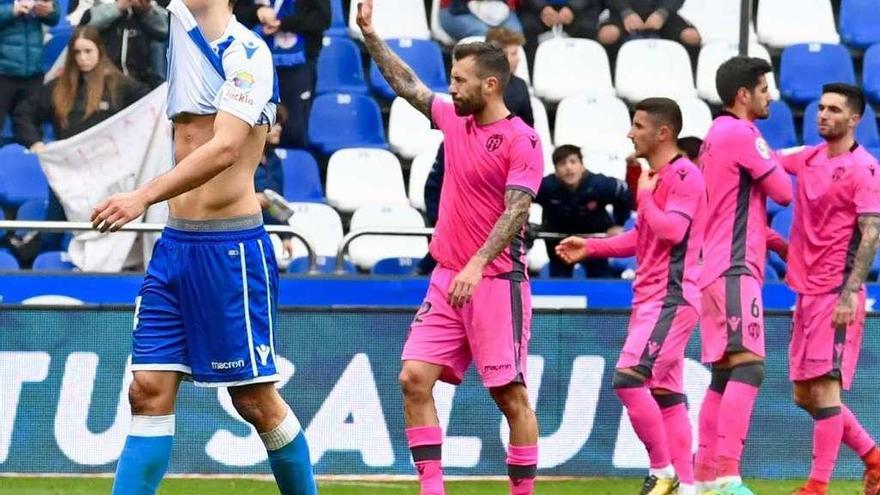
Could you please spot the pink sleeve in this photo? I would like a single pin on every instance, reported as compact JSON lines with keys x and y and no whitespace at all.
{"x":792,"y":161}
{"x":753,"y":153}
{"x":669,"y":225}
{"x":776,"y":243}
{"x":867,"y":189}
{"x":618,"y":246}
{"x":777,"y":185}
{"x":442,"y":112}
{"x":526,"y":164}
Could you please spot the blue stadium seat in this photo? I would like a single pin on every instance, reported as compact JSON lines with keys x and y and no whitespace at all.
{"x":778,"y":129}
{"x":423,"y":56}
{"x":8,"y":261}
{"x":859,"y":23}
{"x":578,"y":271}
{"x":781,"y":222}
{"x":871,"y":73}
{"x":52,"y":49}
{"x":770,"y":274}
{"x":338,"y":27}
{"x":775,"y":264}
{"x":341,"y":120}
{"x":326,"y":264}
{"x":866,"y":133}
{"x":53,"y":260}
{"x":6,"y":131}
{"x":875,"y":152}
{"x":395,"y":266}
{"x":806,"y":67}
{"x":21,"y":178}
{"x":302,"y":179}
{"x":33,"y":209}
{"x":339,"y":68}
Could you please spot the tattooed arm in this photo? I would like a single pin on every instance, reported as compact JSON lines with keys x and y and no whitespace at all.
{"x":400,"y":76}
{"x":845,"y":311}
{"x":516,"y":212}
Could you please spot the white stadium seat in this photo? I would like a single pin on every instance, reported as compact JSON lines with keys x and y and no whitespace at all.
{"x":437,"y":30}
{"x":715,"y":54}
{"x":568,"y":66}
{"x":590,"y":121}
{"x":653,"y":67}
{"x":787,"y":22}
{"x":321,"y":226}
{"x":418,"y":174}
{"x":611,"y":160}
{"x":367,"y":250}
{"x":393,"y":19}
{"x":716,"y":20}
{"x":409,"y":131}
{"x":696,"y":117}
{"x":537,"y":256}
{"x":362,"y":176}
{"x":522,"y":70}
{"x":542,"y":127}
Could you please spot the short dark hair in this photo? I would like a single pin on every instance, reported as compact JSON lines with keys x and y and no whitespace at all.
{"x":855,"y":98}
{"x":691,"y":146}
{"x":488,"y":59}
{"x":739,"y":72}
{"x":664,"y":111}
{"x":565,"y":151}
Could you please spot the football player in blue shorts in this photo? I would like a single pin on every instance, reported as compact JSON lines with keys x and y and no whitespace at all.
{"x":208,"y":302}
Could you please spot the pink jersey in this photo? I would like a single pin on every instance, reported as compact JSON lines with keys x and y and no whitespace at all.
{"x":831,"y":194}
{"x":482,"y":163}
{"x":667,"y":238}
{"x":735,"y":158}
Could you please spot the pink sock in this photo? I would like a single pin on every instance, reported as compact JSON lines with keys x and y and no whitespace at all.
{"x":522,"y":464}
{"x":733,"y":425}
{"x":678,"y":434}
{"x":854,"y":435}
{"x":827,"y":434}
{"x":425,"y":444}
{"x":644,"y":414}
{"x":705,"y":465}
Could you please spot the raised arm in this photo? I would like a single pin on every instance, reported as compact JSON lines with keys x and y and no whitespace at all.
{"x":845,"y":311}
{"x":400,"y":76}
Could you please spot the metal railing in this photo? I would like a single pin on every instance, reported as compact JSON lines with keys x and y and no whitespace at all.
{"x":146,"y":227}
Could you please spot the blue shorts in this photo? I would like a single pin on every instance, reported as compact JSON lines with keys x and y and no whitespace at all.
{"x":207,"y":305}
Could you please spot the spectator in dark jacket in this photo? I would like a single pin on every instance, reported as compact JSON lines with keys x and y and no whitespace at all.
{"x":630,"y":18}
{"x":577,"y":18}
{"x":293,"y":29}
{"x":130,"y":30}
{"x":463,"y":18}
{"x":21,"y":49}
{"x":89,"y":90}
{"x":574,"y":201}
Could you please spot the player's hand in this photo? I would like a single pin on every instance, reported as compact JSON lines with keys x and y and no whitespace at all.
{"x":566,"y":16}
{"x":266,"y":15}
{"x":549,"y":16}
{"x":37,"y":147}
{"x":20,"y":8}
{"x":270,"y":29}
{"x":633,"y":23}
{"x":572,"y":249}
{"x":654,"y":22}
{"x":463,"y":285}
{"x":845,"y":310}
{"x":365,"y":17}
{"x":116,"y":211}
{"x":648,"y":180}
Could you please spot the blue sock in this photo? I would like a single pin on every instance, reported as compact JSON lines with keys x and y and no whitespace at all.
{"x":146,"y":455}
{"x":289,"y":458}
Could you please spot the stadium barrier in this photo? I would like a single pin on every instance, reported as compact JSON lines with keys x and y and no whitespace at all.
{"x":63,"y":401}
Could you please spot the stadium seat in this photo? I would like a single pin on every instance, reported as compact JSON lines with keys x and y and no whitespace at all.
{"x":54,"y":47}
{"x":8,"y":261}
{"x":781,"y":222}
{"x":806,"y":67}
{"x":770,"y":273}
{"x":53,"y":260}
{"x":342,"y":120}
{"x":522,"y":70}
{"x":340,"y":69}
{"x":859,"y":23}
{"x":537,"y":257}
{"x":653,"y":67}
{"x":419,"y":170}
{"x":875,"y":152}
{"x":610,"y":158}
{"x":542,"y":127}
{"x":871,"y":73}
{"x":437,"y":30}
{"x":569,"y":66}
{"x":362,"y":176}
{"x":393,"y":19}
{"x":396,"y":266}
{"x":713,"y":55}
{"x":409,"y":130}
{"x":337,"y":27}
{"x":866,"y":133}
{"x":782,"y":23}
{"x":696,"y":117}
{"x":321,"y":226}
{"x":577,"y":272}
{"x":716,"y":20}
{"x":324,"y":264}
{"x":302,"y":179}
{"x":590,"y":121}
{"x":21,"y":178}
{"x":32,"y":209}
{"x":423,"y":56}
{"x":367,"y":250}
{"x":778,"y":130}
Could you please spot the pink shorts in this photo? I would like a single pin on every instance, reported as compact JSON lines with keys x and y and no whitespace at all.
{"x":817,"y":348}
{"x":733,"y":317}
{"x":655,"y":343}
{"x":493,"y":330}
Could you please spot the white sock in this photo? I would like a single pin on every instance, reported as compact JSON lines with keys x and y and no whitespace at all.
{"x":283,"y":434}
{"x":664,"y":472}
{"x":728,"y":480}
{"x":705,"y":486}
{"x":684,"y":489}
{"x":152,"y":426}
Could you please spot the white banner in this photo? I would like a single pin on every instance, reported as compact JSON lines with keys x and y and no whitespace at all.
{"x":117,"y":155}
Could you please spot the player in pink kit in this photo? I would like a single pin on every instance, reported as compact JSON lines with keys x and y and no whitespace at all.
{"x":666,"y":301}
{"x":834,"y":238}
{"x":740,"y":172}
{"x":478,"y":302}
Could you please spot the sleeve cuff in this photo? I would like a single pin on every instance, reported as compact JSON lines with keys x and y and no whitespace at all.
{"x":523,"y":189}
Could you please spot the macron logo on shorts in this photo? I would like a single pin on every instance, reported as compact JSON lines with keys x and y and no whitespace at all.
{"x":227,"y":365}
